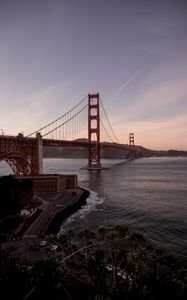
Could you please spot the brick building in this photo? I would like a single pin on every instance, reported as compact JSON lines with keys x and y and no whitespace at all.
{"x":52,"y":182}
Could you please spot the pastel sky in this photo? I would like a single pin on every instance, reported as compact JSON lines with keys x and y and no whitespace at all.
{"x":133,"y":52}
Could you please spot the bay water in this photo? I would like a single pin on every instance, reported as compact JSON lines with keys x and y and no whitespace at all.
{"x":149,"y":195}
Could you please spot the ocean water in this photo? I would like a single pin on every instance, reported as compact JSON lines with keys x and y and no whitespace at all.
{"x":149,"y":195}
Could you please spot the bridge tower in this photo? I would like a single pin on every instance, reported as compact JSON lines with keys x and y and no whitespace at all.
{"x":94,"y":129}
{"x":132,"y":151}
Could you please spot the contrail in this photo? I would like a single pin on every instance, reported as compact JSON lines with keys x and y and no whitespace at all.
{"x":123,"y":86}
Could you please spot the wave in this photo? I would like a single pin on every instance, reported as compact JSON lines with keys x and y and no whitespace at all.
{"x":92,"y":203}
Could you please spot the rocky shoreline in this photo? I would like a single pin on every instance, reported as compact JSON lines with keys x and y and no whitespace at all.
{"x":66,"y":212}
{"x":55,"y":207}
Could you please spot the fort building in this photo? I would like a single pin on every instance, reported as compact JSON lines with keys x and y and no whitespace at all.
{"x":52,"y":182}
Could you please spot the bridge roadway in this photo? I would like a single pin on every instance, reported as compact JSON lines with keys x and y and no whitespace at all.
{"x":81,"y":144}
{"x":8,"y":142}
{"x":24,"y":154}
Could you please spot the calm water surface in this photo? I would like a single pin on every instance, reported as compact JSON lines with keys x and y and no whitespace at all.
{"x":149,"y":195}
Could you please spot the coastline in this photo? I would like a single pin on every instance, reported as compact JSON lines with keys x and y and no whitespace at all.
{"x":54,"y":209}
{"x":66,"y":212}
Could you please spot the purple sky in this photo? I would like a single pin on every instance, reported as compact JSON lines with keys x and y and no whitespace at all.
{"x":133,"y":52}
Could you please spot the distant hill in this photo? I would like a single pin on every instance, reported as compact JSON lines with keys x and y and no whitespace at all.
{"x":109,"y":152}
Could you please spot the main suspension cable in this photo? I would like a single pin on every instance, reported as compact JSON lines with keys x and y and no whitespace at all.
{"x":109,"y":122}
{"x":66,"y":121}
{"x":106,"y":130}
{"x":58,"y":118}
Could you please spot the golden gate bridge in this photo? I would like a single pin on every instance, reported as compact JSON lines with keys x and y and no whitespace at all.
{"x":24,"y":154}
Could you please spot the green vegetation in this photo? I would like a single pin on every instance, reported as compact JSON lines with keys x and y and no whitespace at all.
{"x":109,"y":152}
{"x":108,"y":263}
{"x":15,"y":194}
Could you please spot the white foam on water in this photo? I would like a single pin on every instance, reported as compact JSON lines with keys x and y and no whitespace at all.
{"x":91,"y":205}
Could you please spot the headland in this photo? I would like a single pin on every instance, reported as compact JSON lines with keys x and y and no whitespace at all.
{"x":56,"y":197}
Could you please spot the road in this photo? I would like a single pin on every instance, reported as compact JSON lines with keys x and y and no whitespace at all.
{"x":52,"y":203}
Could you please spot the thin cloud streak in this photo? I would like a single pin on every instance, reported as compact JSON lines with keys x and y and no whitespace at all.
{"x":148,"y":49}
{"x":124,"y":85}
{"x":155,"y":97}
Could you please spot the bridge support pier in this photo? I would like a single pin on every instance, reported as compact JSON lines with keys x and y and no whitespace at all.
{"x":40,"y":152}
{"x":37,"y":156}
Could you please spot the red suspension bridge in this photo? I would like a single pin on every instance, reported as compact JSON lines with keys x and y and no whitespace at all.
{"x":24,"y":154}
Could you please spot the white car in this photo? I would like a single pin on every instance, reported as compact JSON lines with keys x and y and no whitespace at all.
{"x":43,"y":243}
{"x":54,"y":247}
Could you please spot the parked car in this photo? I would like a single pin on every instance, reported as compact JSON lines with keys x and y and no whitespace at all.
{"x":43,"y":243}
{"x":54,"y":247}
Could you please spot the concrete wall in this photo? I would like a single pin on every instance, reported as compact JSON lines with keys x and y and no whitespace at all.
{"x":52,"y":182}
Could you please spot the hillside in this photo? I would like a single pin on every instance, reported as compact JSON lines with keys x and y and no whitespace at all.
{"x":110,"y":152}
